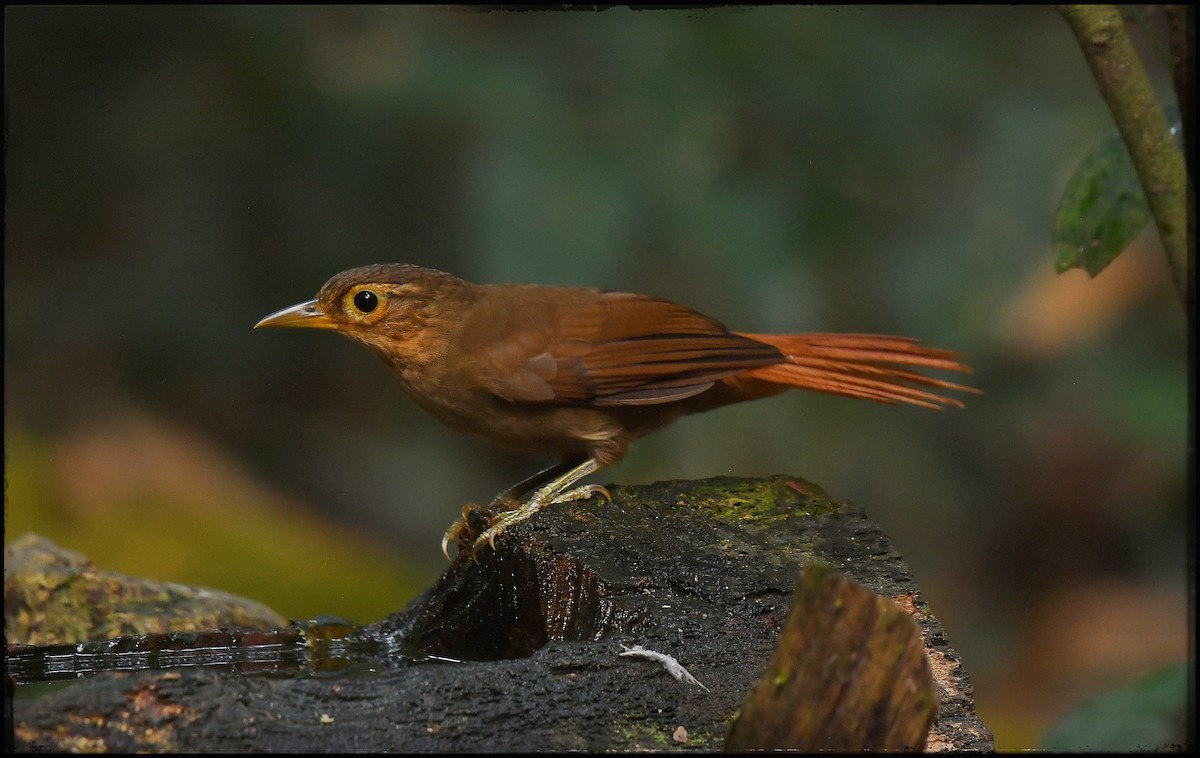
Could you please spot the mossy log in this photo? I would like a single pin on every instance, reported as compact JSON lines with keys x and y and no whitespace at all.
{"x":529,"y":641}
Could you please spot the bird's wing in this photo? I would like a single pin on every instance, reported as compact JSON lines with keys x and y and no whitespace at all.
{"x":608,"y":348}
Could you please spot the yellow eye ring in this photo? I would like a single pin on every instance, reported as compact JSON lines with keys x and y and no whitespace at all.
{"x":364,"y":304}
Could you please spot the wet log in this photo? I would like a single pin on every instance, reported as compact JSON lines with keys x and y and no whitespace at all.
{"x":529,"y":639}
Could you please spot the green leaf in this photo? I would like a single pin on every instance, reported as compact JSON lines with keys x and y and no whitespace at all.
{"x":1148,"y":714}
{"x":1102,"y":209}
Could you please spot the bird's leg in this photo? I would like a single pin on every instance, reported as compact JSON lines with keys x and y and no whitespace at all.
{"x":508,"y":500}
{"x":557,"y":490}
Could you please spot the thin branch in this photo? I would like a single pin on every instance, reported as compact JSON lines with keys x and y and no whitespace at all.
{"x":1126,"y":88}
{"x":1181,"y":32}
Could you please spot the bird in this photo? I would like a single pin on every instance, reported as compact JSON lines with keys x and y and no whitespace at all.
{"x":582,"y":373}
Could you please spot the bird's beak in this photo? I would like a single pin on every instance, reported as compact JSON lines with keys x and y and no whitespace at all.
{"x":308,"y":315}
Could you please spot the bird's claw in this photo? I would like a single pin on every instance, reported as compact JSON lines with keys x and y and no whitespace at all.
{"x":499,"y":524}
{"x":504,"y":520}
{"x":472,"y":520}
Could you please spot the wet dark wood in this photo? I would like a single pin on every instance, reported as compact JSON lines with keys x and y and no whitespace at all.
{"x":702,"y":571}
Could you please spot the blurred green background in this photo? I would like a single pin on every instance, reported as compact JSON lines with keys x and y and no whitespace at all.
{"x":175,"y":174}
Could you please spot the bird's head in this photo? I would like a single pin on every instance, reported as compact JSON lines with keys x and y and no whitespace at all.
{"x":384,"y":306}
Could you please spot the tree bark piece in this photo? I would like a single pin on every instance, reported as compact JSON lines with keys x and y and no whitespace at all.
{"x":850,"y":674}
{"x":57,"y":596}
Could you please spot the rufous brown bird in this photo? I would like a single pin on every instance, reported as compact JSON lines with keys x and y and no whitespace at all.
{"x":582,"y":373}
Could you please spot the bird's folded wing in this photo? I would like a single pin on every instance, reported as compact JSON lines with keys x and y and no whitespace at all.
{"x":612,"y":348}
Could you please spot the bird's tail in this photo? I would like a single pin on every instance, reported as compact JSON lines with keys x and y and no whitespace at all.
{"x":869,"y":366}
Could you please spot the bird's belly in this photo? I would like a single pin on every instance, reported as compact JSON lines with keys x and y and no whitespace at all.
{"x":531,"y":427}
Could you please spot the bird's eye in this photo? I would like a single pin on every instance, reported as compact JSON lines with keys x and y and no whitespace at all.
{"x":366,"y":301}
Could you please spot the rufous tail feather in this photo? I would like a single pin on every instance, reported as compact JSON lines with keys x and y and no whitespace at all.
{"x":869,"y":366}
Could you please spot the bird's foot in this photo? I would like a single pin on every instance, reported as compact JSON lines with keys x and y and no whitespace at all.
{"x":474,"y":520}
{"x":541,"y":499}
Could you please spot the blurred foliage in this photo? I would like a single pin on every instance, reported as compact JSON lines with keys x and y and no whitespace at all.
{"x":146,"y":500}
{"x":176,"y":173}
{"x":1102,"y":209}
{"x":1149,"y":714}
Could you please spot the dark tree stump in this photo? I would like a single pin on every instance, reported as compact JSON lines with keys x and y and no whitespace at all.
{"x":701,"y":571}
